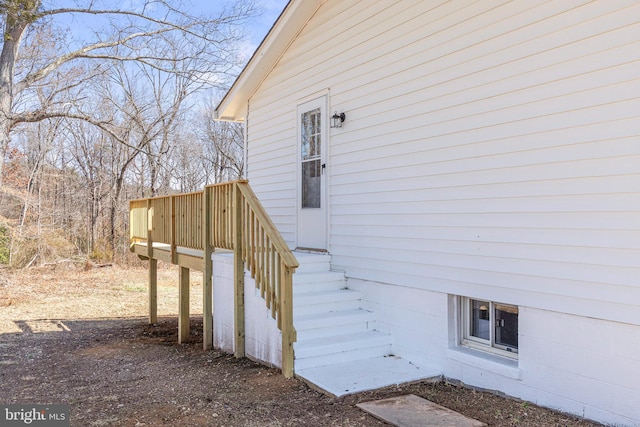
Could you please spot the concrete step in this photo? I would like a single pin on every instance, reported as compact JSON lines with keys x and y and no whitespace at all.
{"x":307,"y":334}
{"x":325,"y":301}
{"x":331,"y":319}
{"x":334,"y":349}
{"x":318,"y":281}
{"x":366,"y":374}
{"x":327,"y":324}
{"x":312,"y":263}
{"x":331,"y":326}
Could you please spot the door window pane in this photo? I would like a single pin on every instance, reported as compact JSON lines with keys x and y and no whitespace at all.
{"x":311,"y":184}
{"x":310,"y":140}
{"x":310,"y":132}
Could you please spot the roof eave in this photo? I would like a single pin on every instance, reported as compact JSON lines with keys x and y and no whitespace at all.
{"x":290,"y":22}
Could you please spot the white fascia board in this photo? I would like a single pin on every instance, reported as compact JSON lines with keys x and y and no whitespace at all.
{"x":294,"y":17}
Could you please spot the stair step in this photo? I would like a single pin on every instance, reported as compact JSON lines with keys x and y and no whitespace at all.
{"x":308,"y":334}
{"x":326,"y":301}
{"x":328,"y":324}
{"x":311,"y":324}
{"x":338,"y":343}
{"x":317,"y":277}
{"x":341,"y":348}
{"x":337,"y":295}
{"x":367,"y":374}
{"x":310,"y":263}
{"x":331,"y":319}
{"x":320,"y":281}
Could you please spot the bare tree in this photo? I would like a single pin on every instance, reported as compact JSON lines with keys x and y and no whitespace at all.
{"x":223,"y":148}
{"x":33,"y":89}
{"x":41,"y":229}
{"x":92,"y":155}
{"x":188,"y":166}
{"x":39,"y":144}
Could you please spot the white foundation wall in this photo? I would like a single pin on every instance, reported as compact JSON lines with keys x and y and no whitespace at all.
{"x":263,"y":339}
{"x":415,"y":318}
{"x":586,"y":366}
{"x":579,"y":365}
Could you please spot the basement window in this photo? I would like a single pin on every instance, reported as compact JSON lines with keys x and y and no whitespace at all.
{"x":489,"y":326}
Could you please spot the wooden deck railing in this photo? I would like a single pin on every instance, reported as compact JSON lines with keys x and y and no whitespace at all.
{"x":187,"y":220}
{"x":226,"y":216}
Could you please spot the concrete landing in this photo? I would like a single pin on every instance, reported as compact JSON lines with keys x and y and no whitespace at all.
{"x":345,"y":378}
{"x":413,"y":411}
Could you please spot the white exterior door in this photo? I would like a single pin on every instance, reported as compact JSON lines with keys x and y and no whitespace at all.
{"x":312,"y":206}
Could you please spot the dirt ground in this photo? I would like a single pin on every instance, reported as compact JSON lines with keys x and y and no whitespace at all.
{"x":80,"y":337}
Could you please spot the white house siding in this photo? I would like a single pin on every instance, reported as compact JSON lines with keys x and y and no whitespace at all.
{"x":491,"y":150}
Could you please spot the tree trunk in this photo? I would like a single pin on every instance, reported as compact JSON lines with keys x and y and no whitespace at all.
{"x":14,"y":29}
{"x":7,"y":61}
{"x":5,"y":127}
{"x":114,"y":209}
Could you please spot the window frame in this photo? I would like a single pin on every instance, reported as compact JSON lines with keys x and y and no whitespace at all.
{"x":477,"y":343}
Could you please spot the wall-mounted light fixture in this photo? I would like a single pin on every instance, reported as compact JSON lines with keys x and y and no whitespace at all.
{"x":337,"y":119}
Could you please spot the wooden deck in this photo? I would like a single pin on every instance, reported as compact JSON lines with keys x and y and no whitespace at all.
{"x":185,"y":229}
{"x":186,"y":257}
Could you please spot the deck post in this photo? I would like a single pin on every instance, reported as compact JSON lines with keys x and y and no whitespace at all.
{"x":286,"y":313}
{"x":153,"y":291}
{"x":172,"y":228}
{"x":149,"y":229}
{"x":207,"y":272}
{"x":153,"y":269}
{"x":238,"y":274}
{"x":183,"y":310}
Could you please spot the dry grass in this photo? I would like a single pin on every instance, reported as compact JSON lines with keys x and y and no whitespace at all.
{"x":71,"y":291}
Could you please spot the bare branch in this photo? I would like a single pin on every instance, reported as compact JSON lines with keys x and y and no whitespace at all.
{"x":80,"y":53}
{"x":159,"y":35}
{"x":38,"y":116}
{"x":162,"y":22}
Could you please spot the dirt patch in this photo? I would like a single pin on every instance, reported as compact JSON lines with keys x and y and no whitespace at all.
{"x":81,"y":338}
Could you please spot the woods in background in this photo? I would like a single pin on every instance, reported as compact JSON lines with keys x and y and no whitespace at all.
{"x":91,"y":117}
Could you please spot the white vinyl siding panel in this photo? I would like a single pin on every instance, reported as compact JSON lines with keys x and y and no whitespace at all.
{"x":491,"y":148}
